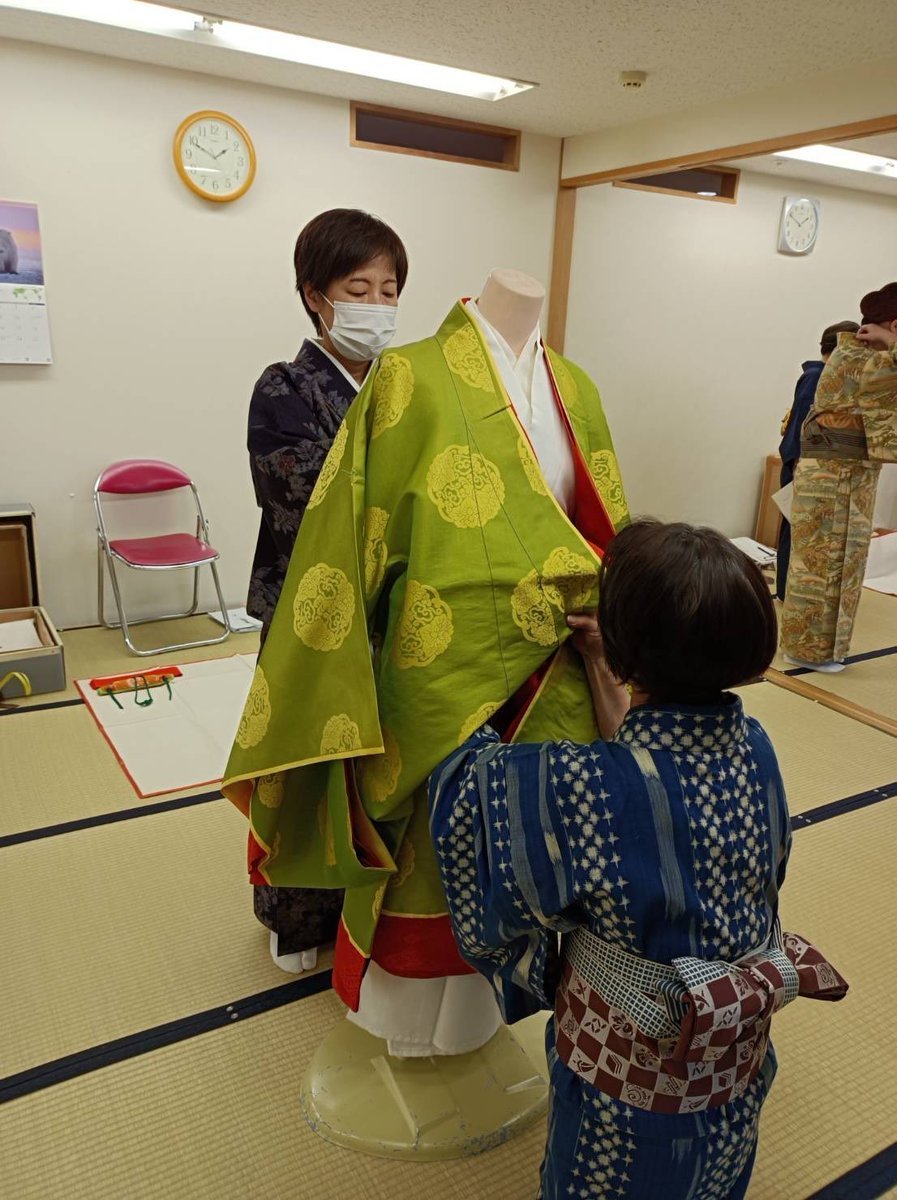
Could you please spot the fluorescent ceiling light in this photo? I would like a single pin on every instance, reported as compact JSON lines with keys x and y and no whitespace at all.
{"x":838,"y":156}
{"x":271,"y":43}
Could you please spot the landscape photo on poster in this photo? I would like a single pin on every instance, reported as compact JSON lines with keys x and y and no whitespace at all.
{"x":21,"y":260}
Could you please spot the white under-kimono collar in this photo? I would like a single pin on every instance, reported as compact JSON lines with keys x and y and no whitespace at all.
{"x":528,"y":385}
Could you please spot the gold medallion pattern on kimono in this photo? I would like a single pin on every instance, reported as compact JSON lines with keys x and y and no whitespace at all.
{"x":605,"y":471}
{"x":466,"y":488}
{"x":393,"y":389}
{"x":425,"y":627}
{"x":330,"y":468}
{"x":256,"y":714}
{"x":323,"y":607}
{"x":270,"y":790}
{"x":531,"y":467}
{"x":464,"y":355}
{"x":341,"y":734}
{"x":376,"y":552}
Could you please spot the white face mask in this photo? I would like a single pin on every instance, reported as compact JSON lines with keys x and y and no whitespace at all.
{"x":361,"y":331}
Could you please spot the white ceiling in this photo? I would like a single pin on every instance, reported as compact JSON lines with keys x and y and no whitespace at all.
{"x":884,"y":144}
{"x":695,"y":51}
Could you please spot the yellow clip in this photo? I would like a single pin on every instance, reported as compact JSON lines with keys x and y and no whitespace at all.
{"x":22,"y":679}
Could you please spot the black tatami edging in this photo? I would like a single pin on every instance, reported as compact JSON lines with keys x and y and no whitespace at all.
{"x":872,"y":1178}
{"x":837,"y":808}
{"x":853,"y":658}
{"x":30,"y":708}
{"x":35,"y":1079}
{"x":108,"y":818}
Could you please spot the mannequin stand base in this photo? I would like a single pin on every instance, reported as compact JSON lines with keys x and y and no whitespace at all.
{"x":356,"y":1095}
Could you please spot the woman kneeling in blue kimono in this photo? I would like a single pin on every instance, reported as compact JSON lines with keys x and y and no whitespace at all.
{"x":658,"y":855}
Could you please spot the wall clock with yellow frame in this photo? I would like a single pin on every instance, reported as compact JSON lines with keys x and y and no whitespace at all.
{"x":214,"y":156}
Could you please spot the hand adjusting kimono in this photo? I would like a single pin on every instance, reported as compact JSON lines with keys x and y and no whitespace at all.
{"x":850,"y":432}
{"x":659,"y":857}
{"x":433,"y":533}
{"x":294,"y":414}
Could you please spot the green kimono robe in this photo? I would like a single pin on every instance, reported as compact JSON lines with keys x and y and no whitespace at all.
{"x":427,"y":593}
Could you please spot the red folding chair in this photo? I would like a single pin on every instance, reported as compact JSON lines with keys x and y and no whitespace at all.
{"x":166,"y":552}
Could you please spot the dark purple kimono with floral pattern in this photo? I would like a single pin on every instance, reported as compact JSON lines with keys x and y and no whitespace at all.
{"x":295,"y":412}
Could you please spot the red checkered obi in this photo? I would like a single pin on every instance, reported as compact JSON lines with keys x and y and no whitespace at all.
{"x":679,"y":1038}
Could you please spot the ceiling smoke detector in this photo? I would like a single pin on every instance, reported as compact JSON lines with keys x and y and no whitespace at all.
{"x":633,"y":79}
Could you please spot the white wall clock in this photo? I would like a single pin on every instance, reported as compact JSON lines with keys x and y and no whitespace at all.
{"x":799,"y":226}
{"x":214,"y":156}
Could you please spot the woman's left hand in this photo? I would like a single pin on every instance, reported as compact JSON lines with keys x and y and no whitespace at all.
{"x":876,"y":335}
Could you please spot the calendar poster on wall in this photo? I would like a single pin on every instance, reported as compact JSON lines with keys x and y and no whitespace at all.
{"x":24,"y":324}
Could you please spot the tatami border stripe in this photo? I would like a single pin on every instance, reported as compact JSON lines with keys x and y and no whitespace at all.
{"x":109,"y":818}
{"x":854,"y":658}
{"x":837,"y":808}
{"x":61,"y":1070}
{"x":870,"y":1179}
{"x":13,"y":712}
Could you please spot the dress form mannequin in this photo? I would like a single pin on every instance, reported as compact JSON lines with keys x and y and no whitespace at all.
{"x":512,"y":303}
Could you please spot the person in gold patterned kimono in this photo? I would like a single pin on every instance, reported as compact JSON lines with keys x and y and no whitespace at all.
{"x":850,"y":432}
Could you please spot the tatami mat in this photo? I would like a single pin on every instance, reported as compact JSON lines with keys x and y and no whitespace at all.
{"x":115,"y":929}
{"x":119,"y":928}
{"x":58,"y":767}
{"x":824,"y":756}
{"x":832,"y":1106}
{"x":871,"y":684}
{"x":218,"y":1118}
{"x":94,"y":651}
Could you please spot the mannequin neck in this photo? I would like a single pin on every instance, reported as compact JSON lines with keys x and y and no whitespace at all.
{"x":512,"y":303}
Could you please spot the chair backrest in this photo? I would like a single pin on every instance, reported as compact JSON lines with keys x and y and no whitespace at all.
{"x":139,"y":476}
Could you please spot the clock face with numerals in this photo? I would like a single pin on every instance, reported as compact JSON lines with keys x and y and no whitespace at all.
{"x":799,"y":226}
{"x":214,"y":156}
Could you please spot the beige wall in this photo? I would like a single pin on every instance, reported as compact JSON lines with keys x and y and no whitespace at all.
{"x":825,"y":100}
{"x":694,"y":329}
{"x":164,"y":309}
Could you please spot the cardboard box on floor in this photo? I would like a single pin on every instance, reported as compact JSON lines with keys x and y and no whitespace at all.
{"x":20,"y":601}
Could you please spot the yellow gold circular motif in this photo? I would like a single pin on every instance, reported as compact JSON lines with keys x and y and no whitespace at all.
{"x":465,"y":357}
{"x":606,"y":473}
{"x":275,"y":850}
{"x":379,"y":774}
{"x":531,"y":468}
{"x":376,"y":552}
{"x":393,"y":388}
{"x":269,"y":790}
{"x":330,"y":468}
{"x":532,"y":612}
{"x":404,"y":863}
{"x":424,"y":629}
{"x":475,"y":720}
{"x":340,"y":735}
{"x":323,"y":607}
{"x":466,"y":488}
{"x":256,"y":714}
{"x":569,"y":580}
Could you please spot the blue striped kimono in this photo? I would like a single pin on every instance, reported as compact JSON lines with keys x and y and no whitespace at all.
{"x":669,"y":841}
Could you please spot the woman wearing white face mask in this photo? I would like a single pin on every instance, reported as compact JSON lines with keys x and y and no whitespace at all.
{"x":350,"y":271}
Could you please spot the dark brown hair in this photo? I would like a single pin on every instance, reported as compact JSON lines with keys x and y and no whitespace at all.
{"x":878,"y":308}
{"x":829,"y":339}
{"x":683,"y":612}
{"x":338,"y":242}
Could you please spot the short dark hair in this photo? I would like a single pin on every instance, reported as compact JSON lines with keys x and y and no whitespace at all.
{"x":683,"y":612}
{"x":338,"y":242}
{"x":879,"y":308}
{"x":829,"y":339}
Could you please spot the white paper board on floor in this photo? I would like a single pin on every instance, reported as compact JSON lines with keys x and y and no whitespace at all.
{"x":783,"y":500}
{"x":179,"y":742}
{"x":881,"y":568}
{"x":238,"y":619}
{"x":762,"y":555}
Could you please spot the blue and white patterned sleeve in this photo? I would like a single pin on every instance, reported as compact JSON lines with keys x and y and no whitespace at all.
{"x":505,"y":864}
